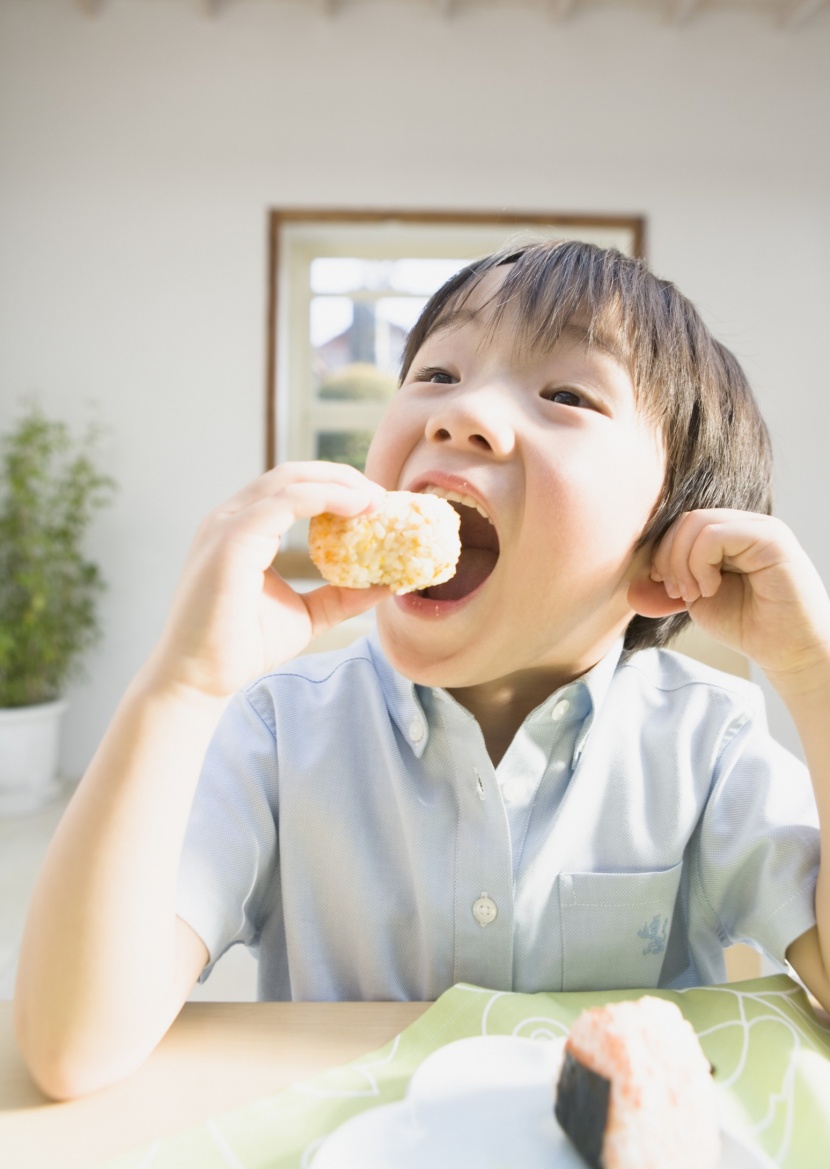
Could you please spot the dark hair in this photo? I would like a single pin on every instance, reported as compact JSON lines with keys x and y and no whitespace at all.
{"x":717,"y":446}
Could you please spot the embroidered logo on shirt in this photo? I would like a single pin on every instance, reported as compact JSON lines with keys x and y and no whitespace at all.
{"x":654,"y":932}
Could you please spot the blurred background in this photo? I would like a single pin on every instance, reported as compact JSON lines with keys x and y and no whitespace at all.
{"x":144,"y":143}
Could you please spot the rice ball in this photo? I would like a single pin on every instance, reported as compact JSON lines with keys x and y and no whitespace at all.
{"x":410,"y":543}
{"x":636,"y":1090}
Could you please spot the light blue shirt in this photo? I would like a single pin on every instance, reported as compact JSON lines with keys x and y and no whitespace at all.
{"x":350,"y":827}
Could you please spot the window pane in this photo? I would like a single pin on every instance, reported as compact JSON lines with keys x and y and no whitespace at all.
{"x":329,"y":317}
{"x":344,"y":446}
{"x":422,"y":277}
{"x":348,"y":336}
{"x":394,"y":317}
{"x":336,"y":275}
{"x":358,"y":382}
{"x":346,"y":332}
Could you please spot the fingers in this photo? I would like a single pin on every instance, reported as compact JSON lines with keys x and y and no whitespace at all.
{"x":259,"y":515}
{"x":693,"y":555}
{"x":335,"y":487}
{"x":329,"y":605}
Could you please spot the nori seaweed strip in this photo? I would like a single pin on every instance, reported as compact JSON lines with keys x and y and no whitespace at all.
{"x":581,"y":1107}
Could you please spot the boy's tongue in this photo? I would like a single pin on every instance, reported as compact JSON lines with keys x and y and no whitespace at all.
{"x":474,"y":566}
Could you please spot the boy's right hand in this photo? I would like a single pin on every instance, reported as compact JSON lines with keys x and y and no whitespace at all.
{"x":233,"y":617}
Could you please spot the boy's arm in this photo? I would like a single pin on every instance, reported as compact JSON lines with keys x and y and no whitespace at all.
{"x":809,"y":955}
{"x":105,"y":964}
{"x":746,"y":581}
{"x":101,"y":974}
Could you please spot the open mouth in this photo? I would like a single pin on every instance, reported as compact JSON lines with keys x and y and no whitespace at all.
{"x":479,"y":548}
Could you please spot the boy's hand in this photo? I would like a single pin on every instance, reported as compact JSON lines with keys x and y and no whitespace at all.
{"x":747,"y":582}
{"x":233,"y":617}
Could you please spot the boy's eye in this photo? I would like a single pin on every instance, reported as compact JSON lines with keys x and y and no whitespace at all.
{"x":439,"y":377}
{"x":566,"y":398}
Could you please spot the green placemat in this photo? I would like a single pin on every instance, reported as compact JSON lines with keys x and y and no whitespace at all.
{"x":772,"y":1062}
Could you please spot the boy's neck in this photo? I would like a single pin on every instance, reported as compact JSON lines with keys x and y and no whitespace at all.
{"x":500,"y":707}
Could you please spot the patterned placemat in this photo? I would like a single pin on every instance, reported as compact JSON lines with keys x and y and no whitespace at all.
{"x":772,"y":1062}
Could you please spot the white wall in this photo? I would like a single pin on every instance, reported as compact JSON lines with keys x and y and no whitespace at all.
{"x":140,"y":149}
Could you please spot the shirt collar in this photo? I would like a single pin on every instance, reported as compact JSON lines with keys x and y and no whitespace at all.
{"x":597,"y":682}
{"x":408,"y":714}
{"x":402,"y":700}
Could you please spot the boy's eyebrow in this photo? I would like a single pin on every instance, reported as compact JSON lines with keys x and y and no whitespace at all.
{"x":454,"y":318}
{"x":573,"y":330}
{"x":595,"y":338}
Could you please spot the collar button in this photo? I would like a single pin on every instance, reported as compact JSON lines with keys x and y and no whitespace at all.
{"x":560,"y":710}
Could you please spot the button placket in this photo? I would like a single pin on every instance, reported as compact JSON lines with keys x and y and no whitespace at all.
{"x":482,"y":795}
{"x":483,"y":857}
{"x":535,"y":770}
{"x":483,"y":875}
{"x":516,"y":790}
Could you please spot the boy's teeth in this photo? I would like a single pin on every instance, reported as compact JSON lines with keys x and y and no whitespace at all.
{"x":456,"y":497}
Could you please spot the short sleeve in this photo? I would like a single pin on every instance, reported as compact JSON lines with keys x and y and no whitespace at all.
{"x":229,"y":857}
{"x":758,"y":845}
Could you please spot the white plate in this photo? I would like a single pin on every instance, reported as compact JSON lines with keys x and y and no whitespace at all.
{"x":482,"y":1103}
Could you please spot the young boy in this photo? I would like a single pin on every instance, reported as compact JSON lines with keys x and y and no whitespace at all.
{"x":506,"y":786}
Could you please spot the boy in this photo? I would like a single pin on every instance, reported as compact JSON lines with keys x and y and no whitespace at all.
{"x":506,"y":786}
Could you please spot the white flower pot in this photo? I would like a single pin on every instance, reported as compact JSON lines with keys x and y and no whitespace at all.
{"x":29,"y":743}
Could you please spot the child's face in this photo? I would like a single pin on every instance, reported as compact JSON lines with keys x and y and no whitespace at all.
{"x":552,"y":446}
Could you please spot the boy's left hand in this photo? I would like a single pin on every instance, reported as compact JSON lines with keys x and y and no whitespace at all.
{"x":746,"y":581}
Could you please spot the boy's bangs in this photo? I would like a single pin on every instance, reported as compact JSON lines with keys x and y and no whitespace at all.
{"x":554,"y":292}
{"x":549,"y":290}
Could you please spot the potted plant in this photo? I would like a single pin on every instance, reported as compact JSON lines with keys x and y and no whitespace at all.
{"x":49,"y":491}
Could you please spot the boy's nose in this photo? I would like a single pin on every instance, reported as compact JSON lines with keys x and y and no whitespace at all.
{"x":478,"y":423}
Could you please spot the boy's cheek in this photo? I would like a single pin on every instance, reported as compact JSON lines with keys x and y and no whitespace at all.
{"x":389,"y":450}
{"x":375,"y":461}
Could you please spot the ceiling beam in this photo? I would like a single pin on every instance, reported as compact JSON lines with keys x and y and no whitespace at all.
{"x":561,"y":10}
{"x":680,"y":11}
{"x":798,"y":12}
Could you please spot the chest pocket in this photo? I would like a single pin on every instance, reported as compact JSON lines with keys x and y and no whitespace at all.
{"x":615,"y":927}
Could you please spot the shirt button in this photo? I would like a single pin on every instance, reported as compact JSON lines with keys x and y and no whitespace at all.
{"x":416,"y":730}
{"x":515,"y":790}
{"x":560,"y":710}
{"x":485,"y":910}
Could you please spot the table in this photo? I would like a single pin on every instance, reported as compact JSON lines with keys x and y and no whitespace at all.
{"x":215,"y":1057}
{"x":768,"y":1042}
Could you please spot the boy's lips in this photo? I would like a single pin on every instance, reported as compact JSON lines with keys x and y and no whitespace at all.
{"x":479,"y":538}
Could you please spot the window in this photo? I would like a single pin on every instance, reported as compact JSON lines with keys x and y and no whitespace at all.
{"x":344,"y":290}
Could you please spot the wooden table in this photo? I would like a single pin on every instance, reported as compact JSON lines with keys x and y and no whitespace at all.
{"x":215,"y":1056}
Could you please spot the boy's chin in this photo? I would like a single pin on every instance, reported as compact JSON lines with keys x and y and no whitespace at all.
{"x":422,"y":663}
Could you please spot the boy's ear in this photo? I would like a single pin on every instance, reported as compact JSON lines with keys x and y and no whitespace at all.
{"x":650,"y":599}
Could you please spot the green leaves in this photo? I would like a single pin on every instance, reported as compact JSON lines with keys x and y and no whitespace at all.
{"x":50,"y":490}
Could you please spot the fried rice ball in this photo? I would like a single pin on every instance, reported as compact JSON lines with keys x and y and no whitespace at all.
{"x":410,"y":543}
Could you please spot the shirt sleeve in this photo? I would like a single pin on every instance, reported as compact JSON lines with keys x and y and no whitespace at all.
{"x":229,"y":858}
{"x":758,"y":852}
